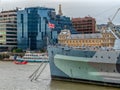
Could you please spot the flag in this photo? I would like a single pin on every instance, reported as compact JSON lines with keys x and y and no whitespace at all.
{"x":51,"y":25}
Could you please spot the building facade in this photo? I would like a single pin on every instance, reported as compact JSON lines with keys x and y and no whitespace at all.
{"x":8,"y":29}
{"x":62,"y":22}
{"x":84,"y":25}
{"x":105,"y":39}
{"x":33,"y":27}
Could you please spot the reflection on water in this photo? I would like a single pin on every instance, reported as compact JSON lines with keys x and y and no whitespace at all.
{"x":62,"y":85}
{"x":16,"y":77}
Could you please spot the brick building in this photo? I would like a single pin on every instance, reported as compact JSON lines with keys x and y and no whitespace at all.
{"x":84,"y":25}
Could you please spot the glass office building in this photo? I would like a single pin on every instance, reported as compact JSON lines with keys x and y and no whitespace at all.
{"x":33,"y":29}
{"x":32,"y":26}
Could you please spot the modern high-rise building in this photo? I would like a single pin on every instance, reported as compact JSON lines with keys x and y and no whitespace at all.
{"x":32,"y":25}
{"x":8,"y":29}
{"x":33,"y":28}
{"x":84,"y":25}
{"x":62,"y":22}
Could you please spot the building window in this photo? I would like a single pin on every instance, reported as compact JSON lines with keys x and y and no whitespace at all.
{"x":22,"y":25}
{"x":39,"y":20}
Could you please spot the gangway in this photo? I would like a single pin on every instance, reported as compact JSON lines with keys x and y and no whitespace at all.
{"x":38,"y":71}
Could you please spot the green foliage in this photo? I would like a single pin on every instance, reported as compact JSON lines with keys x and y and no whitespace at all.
{"x":2,"y":56}
{"x":42,"y":50}
{"x":18,"y":50}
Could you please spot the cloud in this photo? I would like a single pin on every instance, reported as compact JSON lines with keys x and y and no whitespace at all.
{"x":100,"y":9}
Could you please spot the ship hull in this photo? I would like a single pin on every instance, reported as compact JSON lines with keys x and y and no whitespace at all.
{"x":85,"y":81}
{"x":101,"y":67}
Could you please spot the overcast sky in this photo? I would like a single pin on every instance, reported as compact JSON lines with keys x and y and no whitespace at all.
{"x":99,"y":9}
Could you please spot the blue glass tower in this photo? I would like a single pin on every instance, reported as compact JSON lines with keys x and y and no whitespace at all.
{"x":33,"y":29}
{"x":62,"y":22}
{"x":32,"y":26}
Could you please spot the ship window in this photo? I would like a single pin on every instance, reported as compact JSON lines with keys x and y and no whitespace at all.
{"x":79,"y":67}
{"x":101,"y":56}
{"x":113,"y":70}
{"x":96,"y":56}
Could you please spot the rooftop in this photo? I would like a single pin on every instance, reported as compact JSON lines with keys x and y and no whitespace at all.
{"x":86,"y":36}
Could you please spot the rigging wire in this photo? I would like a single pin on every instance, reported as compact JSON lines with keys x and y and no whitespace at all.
{"x":105,"y":13}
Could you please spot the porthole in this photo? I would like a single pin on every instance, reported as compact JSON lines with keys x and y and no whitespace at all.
{"x":113,"y":70}
{"x":117,"y":57}
{"x":109,"y":57}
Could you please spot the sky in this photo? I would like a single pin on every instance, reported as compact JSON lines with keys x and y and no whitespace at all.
{"x":101,"y":10}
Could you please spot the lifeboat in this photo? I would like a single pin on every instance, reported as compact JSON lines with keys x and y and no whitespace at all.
{"x":18,"y":62}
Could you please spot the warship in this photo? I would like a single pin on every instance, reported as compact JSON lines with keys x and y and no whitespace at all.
{"x":97,"y":66}
{"x":87,"y":64}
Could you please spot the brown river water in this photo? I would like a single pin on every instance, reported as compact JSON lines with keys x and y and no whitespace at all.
{"x":16,"y":77}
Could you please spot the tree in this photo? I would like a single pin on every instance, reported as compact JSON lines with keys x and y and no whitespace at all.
{"x":18,"y":50}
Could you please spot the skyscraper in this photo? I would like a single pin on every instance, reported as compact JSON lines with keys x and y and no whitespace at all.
{"x":33,"y":27}
{"x":8,"y":29}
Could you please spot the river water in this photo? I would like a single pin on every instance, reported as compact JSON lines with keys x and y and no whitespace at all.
{"x":16,"y":77}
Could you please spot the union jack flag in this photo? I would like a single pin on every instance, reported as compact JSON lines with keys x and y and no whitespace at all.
{"x":51,"y":25}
